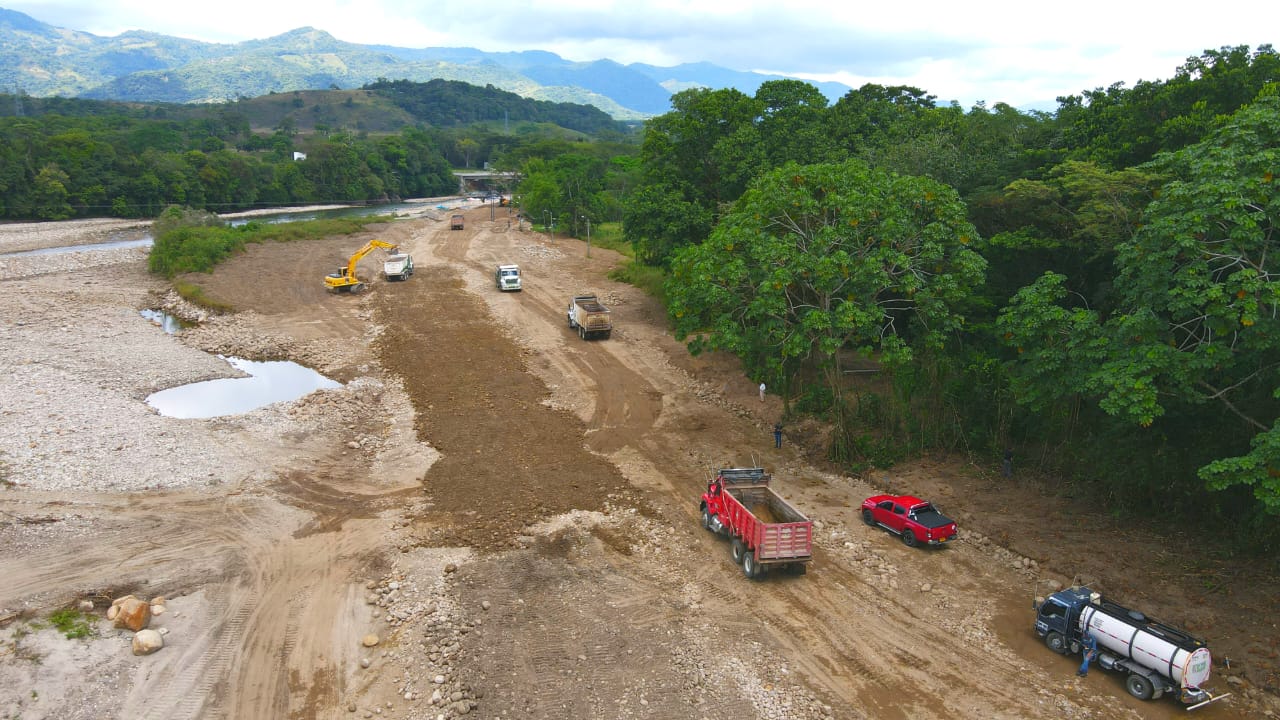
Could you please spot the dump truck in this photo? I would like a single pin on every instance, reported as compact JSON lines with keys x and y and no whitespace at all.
{"x":507,"y":277}
{"x":345,"y":280}
{"x":398,"y":266}
{"x":455,"y":222}
{"x":764,"y":530}
{"x":1155,"y":658}
{"x":589,"y":317}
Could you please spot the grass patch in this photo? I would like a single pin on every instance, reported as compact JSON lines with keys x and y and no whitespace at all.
{"x":645,"y":277}
{"x":195,"y":241}
{"x":194,"y":294}
{"x":609,"y":236}
{"x":72,"y":623}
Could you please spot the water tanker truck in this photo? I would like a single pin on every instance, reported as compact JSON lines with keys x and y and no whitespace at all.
{"x":1155,"y":658}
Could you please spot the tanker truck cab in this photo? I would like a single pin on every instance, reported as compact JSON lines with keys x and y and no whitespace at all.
{"x":1155,"y":658}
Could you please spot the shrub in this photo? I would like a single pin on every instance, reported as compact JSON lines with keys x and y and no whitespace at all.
{"x":72,"y":623}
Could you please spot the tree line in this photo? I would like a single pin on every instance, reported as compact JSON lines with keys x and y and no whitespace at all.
{"x":1094,"y":287}
{"x":63,"y":160}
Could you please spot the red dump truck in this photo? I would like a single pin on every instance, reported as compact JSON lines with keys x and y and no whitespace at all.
{"x":765,"y":531}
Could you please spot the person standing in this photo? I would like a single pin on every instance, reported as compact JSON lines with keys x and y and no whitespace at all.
{"x":1007,"y":467}
{"x":777,"y":435}
{"x":1088,"y":654}
{"x":761,"y":392}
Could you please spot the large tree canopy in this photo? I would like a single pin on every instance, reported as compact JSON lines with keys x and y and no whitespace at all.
{"x":816,"y":259}
{"x":1198,"y":304}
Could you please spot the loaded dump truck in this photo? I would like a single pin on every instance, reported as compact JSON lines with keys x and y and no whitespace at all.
{"x":589,"y":317}
{"x":455,"y":222}
{"x":765,"y":531}
{"x":1154,"y":657}
{"x":398,"y":266}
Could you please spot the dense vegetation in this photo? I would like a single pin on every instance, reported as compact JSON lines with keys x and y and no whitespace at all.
{"x":1094,"y":288}
{"x":445,"y":103}
{"x":54,"y":166}
{"x":63,"y":158}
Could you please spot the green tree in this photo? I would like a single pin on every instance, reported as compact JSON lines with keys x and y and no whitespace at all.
{"x":49,"y":194}
{"x":1197,"y":319}
{"x":814,"y":260}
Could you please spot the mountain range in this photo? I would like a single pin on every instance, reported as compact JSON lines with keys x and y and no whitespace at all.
{"x":41,"y":60}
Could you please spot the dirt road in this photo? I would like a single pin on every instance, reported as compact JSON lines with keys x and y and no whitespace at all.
{"x":512,"y":512}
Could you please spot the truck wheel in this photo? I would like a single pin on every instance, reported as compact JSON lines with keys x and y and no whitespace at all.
{"x":750,"y":567}
{"x":706,"y":518}
{"x":908,"y":538}
{"x":868,"y":518}
{"x":737,"y":550}
{"x":1139,"y":687}
{"x":582,"y":332}
{"x":1056,"y":642}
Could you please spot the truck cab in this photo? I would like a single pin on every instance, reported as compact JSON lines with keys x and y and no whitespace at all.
{"x":507,"y":277}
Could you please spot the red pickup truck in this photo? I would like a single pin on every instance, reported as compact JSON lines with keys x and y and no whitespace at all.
{"x":764,"y":529}
{"x":914,"y":520}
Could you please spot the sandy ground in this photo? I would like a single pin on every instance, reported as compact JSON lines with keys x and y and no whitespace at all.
{"x":511,"y":511}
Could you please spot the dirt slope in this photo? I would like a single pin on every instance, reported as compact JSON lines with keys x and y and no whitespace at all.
{"x":512,"y":511}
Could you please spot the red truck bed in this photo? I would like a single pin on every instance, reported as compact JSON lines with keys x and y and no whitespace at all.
{"x":764,"y":528}
{"x":754,"y":511}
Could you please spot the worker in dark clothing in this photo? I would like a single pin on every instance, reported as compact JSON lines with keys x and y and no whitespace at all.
{"x":1007,"y":469}
{"x":777,"y":435}
{"x":1088,"y":654}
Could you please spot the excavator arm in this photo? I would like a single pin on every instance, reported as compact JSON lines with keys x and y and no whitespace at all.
{"x":345,"y":279}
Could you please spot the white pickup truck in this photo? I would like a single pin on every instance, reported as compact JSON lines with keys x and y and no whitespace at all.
{"x":507,"y":277}
{"x":398,"y":266}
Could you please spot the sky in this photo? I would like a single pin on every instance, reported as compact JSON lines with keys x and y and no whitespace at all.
{"x":1025,"y":54}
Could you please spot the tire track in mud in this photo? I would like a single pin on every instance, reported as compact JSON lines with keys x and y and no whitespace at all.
{"x":507,"y":459}
{"x":626,"y":405}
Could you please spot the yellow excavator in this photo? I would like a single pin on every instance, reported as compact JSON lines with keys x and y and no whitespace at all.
{"x":345,"y":280}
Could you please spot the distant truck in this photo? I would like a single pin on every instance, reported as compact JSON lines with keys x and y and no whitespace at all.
{"x":589,"y":317}
{"x":455,"y":222}
{"x":1155,"y":658}
{"x":765,"y":530}
{"x":507,"y":277}
{"x":398,"y":266}
{"x":913,"y":520}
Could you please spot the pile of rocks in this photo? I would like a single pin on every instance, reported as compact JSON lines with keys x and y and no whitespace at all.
{"x":429,"y":633}
{"x":133,"y":613}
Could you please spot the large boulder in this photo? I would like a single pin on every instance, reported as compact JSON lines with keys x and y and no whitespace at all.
{"x":147,"y":641}
{"x":130,"y":612}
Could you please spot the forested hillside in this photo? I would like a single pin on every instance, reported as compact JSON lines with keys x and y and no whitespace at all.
{"x":62,"y":158}
{"x":1094,"y":288}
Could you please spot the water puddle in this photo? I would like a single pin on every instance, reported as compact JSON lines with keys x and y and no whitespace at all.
{"x":170,"y":324}
{"x":268,"y":382}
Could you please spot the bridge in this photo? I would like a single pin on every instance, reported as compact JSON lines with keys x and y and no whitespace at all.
{"x":485,"y":181}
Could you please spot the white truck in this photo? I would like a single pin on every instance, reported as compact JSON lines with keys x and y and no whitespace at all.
{"x":507,"y":277}
{"x":589,"y":317}
{"x":1155,"y":658}
{"x":398,"y":266}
